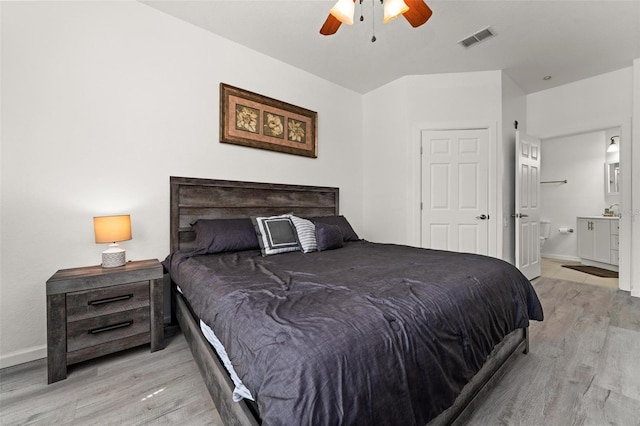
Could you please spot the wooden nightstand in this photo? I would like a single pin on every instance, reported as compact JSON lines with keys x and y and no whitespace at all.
{"x":95,"y":311}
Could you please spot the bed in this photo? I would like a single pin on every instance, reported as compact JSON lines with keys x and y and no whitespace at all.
{"x":305,"y":370}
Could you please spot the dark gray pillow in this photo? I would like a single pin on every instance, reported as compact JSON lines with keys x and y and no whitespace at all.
{"x":222,"y":235}
{"x":348,"y":234}
{"x":328,"y":237}
{"x":276,"y":234}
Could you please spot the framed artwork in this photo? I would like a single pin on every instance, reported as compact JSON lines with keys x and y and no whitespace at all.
{"x":249,"y":119}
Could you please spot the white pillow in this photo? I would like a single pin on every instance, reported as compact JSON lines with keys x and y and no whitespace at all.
{"x":306,"y":231}
{"x":276,"y":234}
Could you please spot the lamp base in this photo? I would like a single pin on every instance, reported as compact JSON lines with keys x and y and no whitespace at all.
{"x":113,"y":257}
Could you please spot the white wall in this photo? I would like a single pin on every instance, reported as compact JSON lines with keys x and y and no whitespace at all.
{"x":596,"y":103}
{"x":393,"y":117}
{"x":101,"y":103}
{"x":514,"y":108}
{"x":580,"y":160}
{"x":387,"y":182}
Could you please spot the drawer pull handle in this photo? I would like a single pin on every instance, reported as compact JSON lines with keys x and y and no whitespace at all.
{"x":110,"y":327}
{"x":110,"y":299}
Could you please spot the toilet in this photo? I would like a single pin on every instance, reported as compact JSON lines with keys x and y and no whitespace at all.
{"x":545,"y":229}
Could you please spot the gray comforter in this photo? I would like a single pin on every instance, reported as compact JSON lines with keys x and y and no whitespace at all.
{"x":369,"y":334}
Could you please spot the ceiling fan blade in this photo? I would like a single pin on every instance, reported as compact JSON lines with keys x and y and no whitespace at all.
{"x":330,"y":26}
{"x":418,"y":12}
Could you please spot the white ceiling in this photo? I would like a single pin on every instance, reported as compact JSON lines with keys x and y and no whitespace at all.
{"x":567,"y":39}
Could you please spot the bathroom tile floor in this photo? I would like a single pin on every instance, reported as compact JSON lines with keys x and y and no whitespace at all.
{"x":552,"y":268}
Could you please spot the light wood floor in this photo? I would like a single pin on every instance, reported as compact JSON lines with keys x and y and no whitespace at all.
{"x":134,"y":387}
{"x":583,"y":369}
{"x":583,"y":366}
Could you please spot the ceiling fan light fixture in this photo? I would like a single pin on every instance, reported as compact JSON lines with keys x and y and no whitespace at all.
{"x":393,"y":9}
{"x":613,"y":146}
{"x":343,"y":11}
{"x":416,"y":12}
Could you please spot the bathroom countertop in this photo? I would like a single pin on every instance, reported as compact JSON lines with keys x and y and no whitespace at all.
{"x":599,"y":217}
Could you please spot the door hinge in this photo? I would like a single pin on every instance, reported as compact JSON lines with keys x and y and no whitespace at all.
{"x":421,"y":208}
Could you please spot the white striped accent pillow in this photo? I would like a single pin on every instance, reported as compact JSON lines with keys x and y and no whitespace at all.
{"x":306,"y":231}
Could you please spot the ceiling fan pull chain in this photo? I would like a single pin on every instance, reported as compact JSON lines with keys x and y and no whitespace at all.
{"x":373,"y":19}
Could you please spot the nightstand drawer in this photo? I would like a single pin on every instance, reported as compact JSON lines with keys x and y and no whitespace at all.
{"x":103,"y":301}
{"x":105,"y":328}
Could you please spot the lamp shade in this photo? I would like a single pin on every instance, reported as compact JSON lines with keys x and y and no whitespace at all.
{"x":393,"y":9}
{"x":110,"y":229}
{"x":343,"y":11}
{"x":613,"y":147}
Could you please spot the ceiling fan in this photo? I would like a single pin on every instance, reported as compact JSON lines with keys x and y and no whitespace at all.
{"x":415,"y":11}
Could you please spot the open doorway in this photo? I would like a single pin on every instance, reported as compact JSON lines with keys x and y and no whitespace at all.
{"x":576,"y":192}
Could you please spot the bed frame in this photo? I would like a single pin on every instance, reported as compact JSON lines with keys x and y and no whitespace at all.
{"x":193,"y":199}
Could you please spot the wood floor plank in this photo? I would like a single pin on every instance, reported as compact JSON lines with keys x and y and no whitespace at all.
{"x":133,"y":387}
{"x":582,"y":369}
{"x":602,"y":406}
{"x":513,"y":405}
{"x":625,"y":312}
{"x":619,"y":367}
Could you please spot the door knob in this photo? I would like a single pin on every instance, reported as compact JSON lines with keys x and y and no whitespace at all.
{"x":482,"y":217}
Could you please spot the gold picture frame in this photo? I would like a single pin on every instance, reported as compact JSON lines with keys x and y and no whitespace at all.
{"x":250,"y":119}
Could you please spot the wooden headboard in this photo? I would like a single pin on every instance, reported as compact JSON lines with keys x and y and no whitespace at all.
{"x":193,"y":199}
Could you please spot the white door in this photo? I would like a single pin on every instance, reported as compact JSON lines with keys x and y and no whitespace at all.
{"x":455,"y":190}
{"x":527,"y":211}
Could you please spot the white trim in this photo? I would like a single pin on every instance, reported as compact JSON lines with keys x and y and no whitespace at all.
{"x":582,"y":128}
{"x":560,"y":257}
{"x":20,"y":357}
{"x":633,"y":192}
{"x":626,"y":227}
{"x":414,"y":229}
{"x":626,"y":197}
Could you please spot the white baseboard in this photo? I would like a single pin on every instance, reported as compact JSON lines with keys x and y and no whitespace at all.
{"x":560,"y":257}
{"x":21,"y":357}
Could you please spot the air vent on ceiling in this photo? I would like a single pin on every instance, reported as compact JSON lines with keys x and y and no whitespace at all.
{"x":477,"y":37}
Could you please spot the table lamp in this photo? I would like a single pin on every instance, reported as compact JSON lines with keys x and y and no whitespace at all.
{"x":111,"y":229}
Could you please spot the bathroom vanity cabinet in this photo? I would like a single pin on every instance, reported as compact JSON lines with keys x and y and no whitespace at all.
{"x":598,"y":241}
